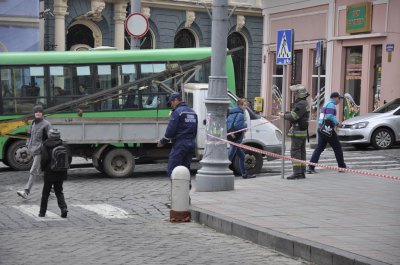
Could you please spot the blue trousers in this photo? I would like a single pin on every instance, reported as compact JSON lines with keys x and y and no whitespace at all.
{"x":233,"y":151}
{"x":334,"y":143}
{"x":181,"y":155}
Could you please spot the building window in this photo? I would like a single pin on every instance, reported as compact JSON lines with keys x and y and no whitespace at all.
{"x":277,"y":79}
{"x":352,"y":86}
{"x":296,"y":67}
{"x":376,"y":93}
{"x":239,"y":62}
{"x":314,"y":88}
{"x":184,"y":39}
{"x":79,"y":34}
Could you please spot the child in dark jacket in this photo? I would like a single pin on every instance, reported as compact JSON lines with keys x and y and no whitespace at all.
{"x":51,"y":177}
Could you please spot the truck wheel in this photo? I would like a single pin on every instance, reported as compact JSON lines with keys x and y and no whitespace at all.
{"x":118,"y":163}
{"x":98,"y":164}
{"x":18,"y":157}
{"x":253,"y":163}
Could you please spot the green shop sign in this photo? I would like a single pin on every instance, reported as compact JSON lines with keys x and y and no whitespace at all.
{"x":358,"y":18}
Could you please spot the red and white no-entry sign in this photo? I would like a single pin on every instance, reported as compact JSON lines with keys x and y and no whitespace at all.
{"x":136,"y":25}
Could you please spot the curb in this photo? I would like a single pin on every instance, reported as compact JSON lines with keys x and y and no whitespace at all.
{"x":290,"y":245}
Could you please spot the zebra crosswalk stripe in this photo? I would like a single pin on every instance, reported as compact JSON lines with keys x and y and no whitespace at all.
{"x":33,"y":211}
{"x":105,"y":210}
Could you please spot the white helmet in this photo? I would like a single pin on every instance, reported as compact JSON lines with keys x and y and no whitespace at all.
{"x":299,"y":91}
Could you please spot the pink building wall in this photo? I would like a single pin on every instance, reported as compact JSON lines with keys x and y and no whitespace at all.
{"x":327,"y":21}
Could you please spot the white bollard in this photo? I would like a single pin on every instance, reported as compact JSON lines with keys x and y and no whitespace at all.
{"x":180,"y":181}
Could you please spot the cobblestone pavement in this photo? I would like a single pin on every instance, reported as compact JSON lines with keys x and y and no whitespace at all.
{"x":137,"y":234}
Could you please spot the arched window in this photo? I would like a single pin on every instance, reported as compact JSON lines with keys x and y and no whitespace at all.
{"x":79,"y":34}
{"x":184,"y":39}
{"x":239,"y":62}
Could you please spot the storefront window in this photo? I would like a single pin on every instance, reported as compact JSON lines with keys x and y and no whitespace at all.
{"x":314,"y":88}
{"x":296,"y":67}
{"x":377,"y":77}
{"x":353,"y":76}
{"x":277,"y":78}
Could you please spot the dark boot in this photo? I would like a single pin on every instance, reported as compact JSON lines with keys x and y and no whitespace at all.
{"x":297,"y":176}
{"x":64,"y":213}
{"x":43,"y":206}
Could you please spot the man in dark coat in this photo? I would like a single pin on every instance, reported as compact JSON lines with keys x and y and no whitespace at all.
{"x":52,"y":178}
{"x":182,"y":132}
{"x":298,"y":118}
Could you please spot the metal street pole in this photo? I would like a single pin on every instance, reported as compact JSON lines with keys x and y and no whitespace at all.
{"x":283,"y":109}
{"x":214,"y":174}
{"x":318,"y":102}
{"x":135,"y":8}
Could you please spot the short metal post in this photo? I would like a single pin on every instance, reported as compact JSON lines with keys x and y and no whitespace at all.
{"x":180,"y":181}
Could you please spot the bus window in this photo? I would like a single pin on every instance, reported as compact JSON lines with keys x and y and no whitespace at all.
{"x":61,"y":87}
{"x":22,"y":88}
{"x":147,"y":69}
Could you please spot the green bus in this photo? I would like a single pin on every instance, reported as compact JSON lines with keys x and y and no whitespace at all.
{"x":54,"y":78}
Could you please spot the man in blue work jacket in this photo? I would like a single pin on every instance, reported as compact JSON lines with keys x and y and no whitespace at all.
{"x":181,"y":131}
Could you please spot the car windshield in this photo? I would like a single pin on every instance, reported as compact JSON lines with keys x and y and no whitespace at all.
{"x":388,"y":106}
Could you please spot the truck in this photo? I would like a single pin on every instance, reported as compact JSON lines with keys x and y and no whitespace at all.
{"x":117,"y":144}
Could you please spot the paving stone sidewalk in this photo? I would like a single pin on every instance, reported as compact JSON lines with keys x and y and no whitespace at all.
{"x":327,"y":218}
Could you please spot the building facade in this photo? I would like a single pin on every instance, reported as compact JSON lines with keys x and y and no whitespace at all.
{"x":85,"y":24}
{"x":19,"y":25}
{"x":361,"y":49}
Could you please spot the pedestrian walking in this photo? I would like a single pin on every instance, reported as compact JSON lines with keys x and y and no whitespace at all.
{"x":236,"y":122}
{"x":328,"y":113}
{"x":54,"y":164}
{"x":298,"y":131}
{"x":37,"y":135}
{"x":182,"y":132}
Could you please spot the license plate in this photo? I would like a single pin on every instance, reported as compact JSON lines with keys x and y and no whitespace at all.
{"x":341,"y":132}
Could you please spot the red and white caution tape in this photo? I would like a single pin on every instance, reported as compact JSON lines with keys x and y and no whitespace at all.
{"x":253,"y":149}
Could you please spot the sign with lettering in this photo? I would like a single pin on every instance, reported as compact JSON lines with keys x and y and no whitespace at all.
{"x":358,"y":18}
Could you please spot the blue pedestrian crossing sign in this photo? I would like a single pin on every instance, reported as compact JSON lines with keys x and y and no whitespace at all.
{"x":284,"y":49}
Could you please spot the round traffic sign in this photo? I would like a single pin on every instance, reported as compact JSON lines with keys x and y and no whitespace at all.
{"x":136,"y":25}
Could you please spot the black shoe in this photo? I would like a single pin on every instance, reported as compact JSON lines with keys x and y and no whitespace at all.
{"x":310,"y":170}
{"x":42,"y":215}
{"x":248,"y":176}
{"x":297,"y":176}
{"x":64,"y":213}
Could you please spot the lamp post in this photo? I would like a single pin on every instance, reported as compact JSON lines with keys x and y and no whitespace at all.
{"x":214,"y":174}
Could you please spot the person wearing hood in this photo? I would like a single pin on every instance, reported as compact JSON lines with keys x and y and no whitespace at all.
{"x":51,"y":177}
{"x":236,"y":122}
{"x":182,"y":132}
{"x":37,"y":135}
{"x":298,"y":131}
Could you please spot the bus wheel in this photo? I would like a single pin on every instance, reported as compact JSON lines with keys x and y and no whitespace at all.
{"x":18,"y":157}
{"x":118,"y":163}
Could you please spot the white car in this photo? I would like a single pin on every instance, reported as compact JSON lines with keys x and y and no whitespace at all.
{"x":380,"y":128}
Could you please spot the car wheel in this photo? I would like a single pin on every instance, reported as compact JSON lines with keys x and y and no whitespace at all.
{"x":382,"y":138}
{"x":361,"y":146}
